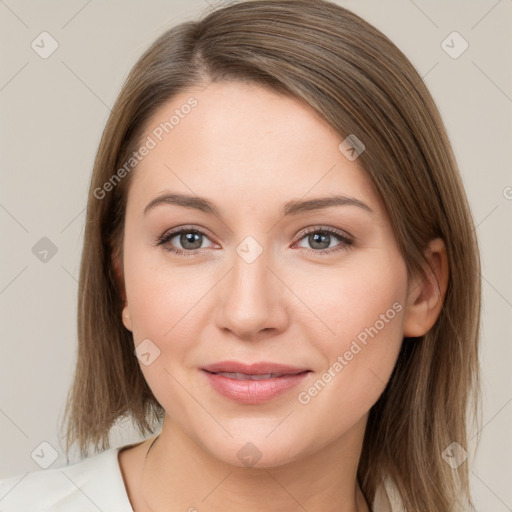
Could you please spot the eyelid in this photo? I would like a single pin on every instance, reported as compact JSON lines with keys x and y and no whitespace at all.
{"x":171,"y":233}
{"x":346,"y":240}
{"x":326,"y":229}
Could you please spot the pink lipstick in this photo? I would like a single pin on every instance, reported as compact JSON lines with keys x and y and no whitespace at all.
{"x":255,"y":383}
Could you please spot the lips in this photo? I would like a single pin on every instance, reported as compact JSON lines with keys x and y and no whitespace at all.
{"x":255,"y":383}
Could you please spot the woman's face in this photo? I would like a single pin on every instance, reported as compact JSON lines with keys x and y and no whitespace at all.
{"x":272,"y":275}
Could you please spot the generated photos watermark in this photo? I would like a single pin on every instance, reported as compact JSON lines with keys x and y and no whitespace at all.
{"x":356,"y":346}
{"x":151,"y":142}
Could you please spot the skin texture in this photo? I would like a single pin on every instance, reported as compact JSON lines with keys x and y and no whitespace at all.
{"x":249,"y":150}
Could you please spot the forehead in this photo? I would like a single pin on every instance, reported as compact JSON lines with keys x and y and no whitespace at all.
{"x":244,"y":141}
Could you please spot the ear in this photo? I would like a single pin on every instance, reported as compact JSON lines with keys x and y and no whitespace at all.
{"x":119,"y":276}
{"x":426,"y":295}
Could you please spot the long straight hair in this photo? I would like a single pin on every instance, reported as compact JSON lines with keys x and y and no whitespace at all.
{"x":360,"y":83}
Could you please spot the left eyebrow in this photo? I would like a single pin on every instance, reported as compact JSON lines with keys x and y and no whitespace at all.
{"x":296,"y":207}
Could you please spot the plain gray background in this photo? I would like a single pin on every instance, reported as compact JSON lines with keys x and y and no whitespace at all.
{"x":53,"y":111}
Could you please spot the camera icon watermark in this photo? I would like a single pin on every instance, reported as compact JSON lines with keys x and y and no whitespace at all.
{"x":454,"y":455}
{"x":249,"y":249}
{"x":44,"y":250}
{"x":44,"y":45}
{"x":351,"y":147}
{"x":454,"y":45}
{"x":147,"y":352}
{"x":249,"y":455}
{"x":44,"y":455}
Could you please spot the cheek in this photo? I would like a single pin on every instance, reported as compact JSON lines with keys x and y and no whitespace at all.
{"x":351,"y":298}
{"x":165,"y":304}
{"x":369,"y":306}
{"x":364,"y":308}
{"x":161,"y":296}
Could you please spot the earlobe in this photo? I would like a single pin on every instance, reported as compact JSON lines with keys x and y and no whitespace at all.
{"x":127,"y":320}
{"x":426,"y":295}
{"x":118,"y":272}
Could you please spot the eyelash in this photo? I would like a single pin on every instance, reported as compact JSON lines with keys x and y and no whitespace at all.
{"x":345,"y":240}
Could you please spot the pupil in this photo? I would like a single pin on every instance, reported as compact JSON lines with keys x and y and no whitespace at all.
{"x":315,"y":239}
{"x":190,"y":238}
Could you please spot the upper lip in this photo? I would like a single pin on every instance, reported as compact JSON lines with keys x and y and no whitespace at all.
{"x":261,"y":368}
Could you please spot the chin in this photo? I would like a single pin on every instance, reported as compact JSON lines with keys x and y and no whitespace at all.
{"x":254,"y":451}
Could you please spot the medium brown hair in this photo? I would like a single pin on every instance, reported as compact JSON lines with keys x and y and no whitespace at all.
{"x":360,"y":83}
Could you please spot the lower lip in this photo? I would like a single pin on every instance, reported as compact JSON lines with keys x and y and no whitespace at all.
{"x":253,"y":391}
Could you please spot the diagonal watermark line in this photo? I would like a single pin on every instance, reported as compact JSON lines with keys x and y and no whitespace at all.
{"x":485,"y":15}
{"x":13,"y":279}
{"x":210,"y":4}
{"x":12,"y":488}
{"x":425,"y":74}
{"x":206,"y":293}
{"x":75,"y":15}
{"x":87,"y":290}
{"x":424,"y":14}
{"x":293,"y":410}
{"x":286,"y":491}
{"x":13,"y":217}
{"x":493,"y":287}
{"x":496,"y":290}
{"x":216,"y":487}
{"x":333,"y":333}
{"x":206,"y":86}
{"x":377,"y":376}
{"x":508,"y":508}
{"x":86,"y":85}
{"x":487,"y":423}
{"x":422,"y":77}
{"x":492,"y":81}
{"x":14,"y":76}
{"x":14,"y":423}
{"x":492,"y":211}
{"x":62,"y":471}
{"x":2,"y":1}
{"x":73,"y":219}
{"x":69,"y":273}
{"x":217,"y":5}
{"x":199,"y":403}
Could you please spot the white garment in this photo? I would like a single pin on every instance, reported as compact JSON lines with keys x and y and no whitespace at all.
{"x":94,"y":484}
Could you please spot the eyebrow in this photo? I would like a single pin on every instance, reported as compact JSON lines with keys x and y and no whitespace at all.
{"x":293,"y":207}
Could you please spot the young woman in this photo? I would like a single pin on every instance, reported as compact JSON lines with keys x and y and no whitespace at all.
{"x":279,"y":280}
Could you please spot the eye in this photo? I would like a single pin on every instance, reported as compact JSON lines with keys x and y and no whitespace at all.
{"x":321,"y":240}
{"x":190,"y":240}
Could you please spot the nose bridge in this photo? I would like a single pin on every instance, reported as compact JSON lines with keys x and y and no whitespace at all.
{"x":251,"y":299}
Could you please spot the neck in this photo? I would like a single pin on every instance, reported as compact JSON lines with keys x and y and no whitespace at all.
{"x":178,"y":474}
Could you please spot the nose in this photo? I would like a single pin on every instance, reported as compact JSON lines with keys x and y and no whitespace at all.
{"x":252,"y":303}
